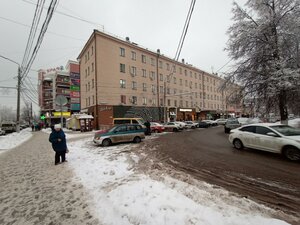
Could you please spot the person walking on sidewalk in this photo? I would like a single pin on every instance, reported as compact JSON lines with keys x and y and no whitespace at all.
{"x":59,"y":143}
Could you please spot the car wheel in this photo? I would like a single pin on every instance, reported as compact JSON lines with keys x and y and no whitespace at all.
{"x":292,"y":153}
{"x":175,"y":129}
{"x":106,"y":142}
{"x":237,"y":143}
{"x":137,"y":140}
{"x":156,"y":131}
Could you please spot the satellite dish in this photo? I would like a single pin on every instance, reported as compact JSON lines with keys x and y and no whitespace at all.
{"x":61,"y":100}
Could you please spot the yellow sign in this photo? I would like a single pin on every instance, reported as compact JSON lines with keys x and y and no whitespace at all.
{"x":63,"y":114}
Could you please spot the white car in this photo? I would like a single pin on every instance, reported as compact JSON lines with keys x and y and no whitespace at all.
{"x":277,"y":138}
{"x":191,"y":124}
{"x":182,"y":125}
{"x":171,"y":126}
{"x":221,"y":121}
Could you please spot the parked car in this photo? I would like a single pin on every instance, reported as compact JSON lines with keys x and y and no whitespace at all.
{"x":277,"y":138}
{"x":2,"y":132}
{"x":157,"y":127}
{"x":221,"y":121}
{"x":182,"y":125}
{"x":9,"y":126}
{"x":231,"y":124}
{"x":203,"y":124}
{"x":172,"y":126}
{"x":120,"y":133}
{"x":191,"y":124}
{"x":211,"y":122}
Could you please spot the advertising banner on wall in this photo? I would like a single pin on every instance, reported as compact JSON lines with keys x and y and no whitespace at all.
{"x":75,"y":100}
{"x":74,"y":88}
{"x":75,"y":82}
{"x":75,"y":94}
{"x":75,"y":107}
{"x":74,"y":75}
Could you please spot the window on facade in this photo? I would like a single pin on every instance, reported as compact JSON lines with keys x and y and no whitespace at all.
{"x":152,"y":75}
{"x":144,"y":73}
{"x":175,"y":103}
{"x":133,"y":55}
{"x":191,"y":74}
{"x":152,"y":62}
{"x":144,"y":87}
{"x":160,"y":64}
{"x":153,"y":89}
{"x":186,"y":83}
{"x":122,"y":83}
{"x":161,"y":89}
{"x":89,"y":86}
{"x":89,"y":100}
{"x":186,"y":104}
{"x":93,"y":83}
{"x":86,"y":88}
{"x":134,"y":100}
{"x":180,"y":70}
{"x":93,"y":67}
{"x":144,"y":101}
{"x":168,"y":91}
{"x":154,"y":101}
{"x":191,"y":84}
{"x":86,"y":102}
{"x":134,"y":85}
{"x":88,"y":71}
{"x":174,"y":68}
{"x":122,"y":52}
{"x":169,"y":102}
{"x":161,"y":103}
{"x":168,"y":66}
{"x":88,"y":55}
{"x":143,"y":59}
{"x":122,"y":68}
{"x":185,"y":72}
{"x":175,"y":91}
{"x":161,"y":77}
{"x":180,"y":82}
{"x":93,"y":102}
{"x":92,"y":50}
{"x":133,"y":71}
{"x":123,"y":99}
{"x":85,"y":58}
{"x":174,"y":79}
{"x":85,"y":72}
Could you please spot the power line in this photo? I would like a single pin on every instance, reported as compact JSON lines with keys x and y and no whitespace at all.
{"x":71,"y":16}
{"x":49,"y":32}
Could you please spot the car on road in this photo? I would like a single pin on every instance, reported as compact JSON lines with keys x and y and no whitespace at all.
{"x":182,"y":125}
{"x":156,"y":127}
{"x":277,"y":138}
{"x":2,"y":132}
{"x":191,"y":124}
{"x":9,"y":126}
{"x":231,"y":124}
{"x":172,"y":126}
{"x":211,"y":122}
{"x":221,"y":121}
{"x":120,"y":133}
{"x":203,"y":124}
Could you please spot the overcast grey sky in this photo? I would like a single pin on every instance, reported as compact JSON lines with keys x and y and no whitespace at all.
{"x":150,"y":23}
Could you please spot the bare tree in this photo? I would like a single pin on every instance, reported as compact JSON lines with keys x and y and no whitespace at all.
{"x":26,"y":113}
{"x":264,"y":42}
{"x":7,"y":113}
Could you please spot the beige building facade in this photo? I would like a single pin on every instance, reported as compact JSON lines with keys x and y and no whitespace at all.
{"x":119,"y":78}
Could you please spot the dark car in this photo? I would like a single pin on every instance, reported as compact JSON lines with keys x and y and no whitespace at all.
{"x":203,"y":124}
{"x":231,"y":124}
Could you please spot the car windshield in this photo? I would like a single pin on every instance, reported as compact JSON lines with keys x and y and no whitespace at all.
{"x":286,"y":130}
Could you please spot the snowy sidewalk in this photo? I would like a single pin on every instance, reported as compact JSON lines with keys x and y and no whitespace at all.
{"x":34,"y":191}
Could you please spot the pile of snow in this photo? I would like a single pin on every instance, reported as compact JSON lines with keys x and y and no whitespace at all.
{"x":121,"y":195}
{"x":294,"y":122}
{"x":12,"y":140}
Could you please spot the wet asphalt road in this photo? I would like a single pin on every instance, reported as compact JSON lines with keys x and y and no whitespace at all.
{"x":261,"y":176}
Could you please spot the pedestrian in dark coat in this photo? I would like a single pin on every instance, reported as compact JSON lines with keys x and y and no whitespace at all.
{"x":59,"y":143}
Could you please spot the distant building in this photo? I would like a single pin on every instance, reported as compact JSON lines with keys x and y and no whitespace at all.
{"x":119,"y":78}
{"x":57,"y":81}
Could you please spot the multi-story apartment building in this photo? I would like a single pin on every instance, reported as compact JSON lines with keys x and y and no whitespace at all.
{"x":54,"y":82}
{"x":119,"y":78}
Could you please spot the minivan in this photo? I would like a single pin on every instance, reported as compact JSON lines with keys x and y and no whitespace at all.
{"x":120,"y":133}
{"x":128,"y":121}
{"x":9,"y":126}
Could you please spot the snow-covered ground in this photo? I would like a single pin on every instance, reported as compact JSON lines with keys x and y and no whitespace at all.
{"x":12,"y":140}
{"x":122,"y":195}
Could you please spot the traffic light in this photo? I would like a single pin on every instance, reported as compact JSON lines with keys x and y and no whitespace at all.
{"x":43,"y":117}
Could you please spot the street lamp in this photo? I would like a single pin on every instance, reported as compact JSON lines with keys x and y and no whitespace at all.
{"x":18,"y":92}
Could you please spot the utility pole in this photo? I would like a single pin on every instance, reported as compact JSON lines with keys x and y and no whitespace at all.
{"x":18,"y":99}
